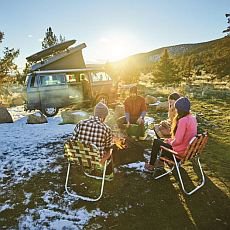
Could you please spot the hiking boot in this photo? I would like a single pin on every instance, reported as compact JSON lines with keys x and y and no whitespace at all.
{"x":149,"y":167}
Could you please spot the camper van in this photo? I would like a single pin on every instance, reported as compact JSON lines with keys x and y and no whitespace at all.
{"x":50,"y":90}
{"x":59,"y":77}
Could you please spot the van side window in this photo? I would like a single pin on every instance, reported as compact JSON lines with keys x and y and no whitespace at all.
{"x":100,"y":76}
{"x":56,"y":79}
{"x":33,"y":82}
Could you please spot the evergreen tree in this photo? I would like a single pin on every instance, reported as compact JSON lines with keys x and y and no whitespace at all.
{"x":22,"y":76}
{"x":50,"y":39}
{"x":228,"y":28}
{"x":166,"y":70}
{"x":1,"y":36}
{"x":7,"y":64}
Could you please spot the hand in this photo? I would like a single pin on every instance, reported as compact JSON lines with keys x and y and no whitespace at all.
{"x":128,"y":124}
{"x":140,"y":120}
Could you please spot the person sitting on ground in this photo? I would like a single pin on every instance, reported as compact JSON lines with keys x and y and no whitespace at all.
{"x":135,"y":111}
{"x":163,"y":129}
{"x":95,"y":131}
{"x":85,"y":87}
{"x":184,"y":128}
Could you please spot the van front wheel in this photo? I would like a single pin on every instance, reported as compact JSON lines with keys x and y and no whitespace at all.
{"x":50,"y":111}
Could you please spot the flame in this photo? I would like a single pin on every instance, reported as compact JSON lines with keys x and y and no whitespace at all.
{"x":120,"y":142}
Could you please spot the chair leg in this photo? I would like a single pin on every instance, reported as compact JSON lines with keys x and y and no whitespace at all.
{"x":85,"y":197}
{"x":181,"y":181}
{"x":156,"y":169}
{"x":163,"y":174}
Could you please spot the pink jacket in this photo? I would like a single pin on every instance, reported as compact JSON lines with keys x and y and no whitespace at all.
{"x":186,"y":130}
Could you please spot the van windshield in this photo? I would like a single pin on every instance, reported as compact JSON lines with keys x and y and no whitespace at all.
{"x":52,"y":79}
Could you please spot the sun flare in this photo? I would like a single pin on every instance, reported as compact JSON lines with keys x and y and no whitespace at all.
{"x":117,"y":47}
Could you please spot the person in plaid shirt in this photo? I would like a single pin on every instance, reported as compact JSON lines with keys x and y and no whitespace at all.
{"x":95,"y":131}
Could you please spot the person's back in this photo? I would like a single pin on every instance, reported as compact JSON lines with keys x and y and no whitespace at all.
{"x":94,"y":130}
{"x":186,"y":130}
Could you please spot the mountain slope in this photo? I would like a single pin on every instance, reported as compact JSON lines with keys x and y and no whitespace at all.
{"x":212,"y":56}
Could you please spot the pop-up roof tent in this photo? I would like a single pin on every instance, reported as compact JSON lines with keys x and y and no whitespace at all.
{"x":65,"y":58}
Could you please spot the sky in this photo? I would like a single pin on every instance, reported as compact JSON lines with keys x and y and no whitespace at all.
{"x":112,"y":30}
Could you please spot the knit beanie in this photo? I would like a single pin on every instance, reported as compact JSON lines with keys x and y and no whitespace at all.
{"x":183,"y":104}
{"x":101,"y":110}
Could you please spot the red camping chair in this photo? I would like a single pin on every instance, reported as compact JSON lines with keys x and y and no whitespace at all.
{"x":193,"y":152}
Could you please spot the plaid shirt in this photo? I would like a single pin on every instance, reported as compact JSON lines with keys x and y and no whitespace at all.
{"x":94,"y":131}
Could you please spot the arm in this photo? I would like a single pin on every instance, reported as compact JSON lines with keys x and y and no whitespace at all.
{"x":75,"y":132}
{"x":127,"y":117}
{"x":143,"y":112}
{"x":127,"y":111}
{"x":108,"y":139}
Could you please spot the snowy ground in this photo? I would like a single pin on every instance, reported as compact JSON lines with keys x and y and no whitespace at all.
{"x":28,"y":150}
{"x":22,"y":152}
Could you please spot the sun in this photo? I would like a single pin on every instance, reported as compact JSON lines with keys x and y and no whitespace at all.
{"x":116,"y":47}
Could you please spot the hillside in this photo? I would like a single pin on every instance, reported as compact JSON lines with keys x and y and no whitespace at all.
{"x":212,"y":56}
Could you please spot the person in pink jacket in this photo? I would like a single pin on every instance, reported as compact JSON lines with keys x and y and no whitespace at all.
{"x":184,"y":128}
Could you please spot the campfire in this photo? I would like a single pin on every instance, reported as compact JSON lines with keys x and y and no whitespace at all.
{"x":120,"y":142}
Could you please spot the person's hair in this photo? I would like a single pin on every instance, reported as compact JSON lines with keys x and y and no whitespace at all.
{"x":179,"y":115}
{"x":133,"y":89}
{"x":174,"y":96}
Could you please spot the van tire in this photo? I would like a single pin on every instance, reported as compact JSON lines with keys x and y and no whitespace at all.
{"x":50,"y":111}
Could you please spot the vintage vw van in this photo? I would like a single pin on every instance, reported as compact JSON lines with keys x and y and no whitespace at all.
{"x":49,"y":90}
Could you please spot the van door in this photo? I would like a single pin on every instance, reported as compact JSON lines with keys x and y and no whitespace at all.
{"x":53,"y":90}
{"x":33,"y":95}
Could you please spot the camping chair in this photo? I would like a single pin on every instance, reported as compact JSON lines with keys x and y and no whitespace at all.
{"x":88,"y":157}
{"x":196,"y":146}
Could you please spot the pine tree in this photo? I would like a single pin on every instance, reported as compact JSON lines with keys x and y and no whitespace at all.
{"x":1,"y":36}
{"x":166,"y":70}
{"x":50,"y":39}
{"x":7,"y":64}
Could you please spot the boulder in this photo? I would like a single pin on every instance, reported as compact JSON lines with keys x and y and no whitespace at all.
{"x":17,"y":99}
{"x":119,"y":111}
{"x":36,"y":118}
{"x":73,"y":117}
{"x":5,"y":116}
{"x":163,"y":106}
{"x":150,"y":99}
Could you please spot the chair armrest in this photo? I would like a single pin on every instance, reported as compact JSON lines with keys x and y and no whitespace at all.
{"x":106,"y":156}
{"x":169,"y":150}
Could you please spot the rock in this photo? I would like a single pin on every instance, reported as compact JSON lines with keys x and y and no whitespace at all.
{"x":163,"y":106}
{"x":17,"y":101}
{"x":150,"y":99}
{"x":119,"y":111}
{"x":5,"y":116}
{"x":73,"y":117}
{"x":36,"y":118}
